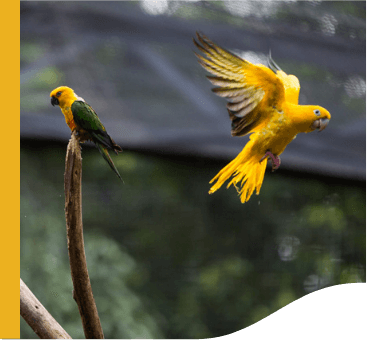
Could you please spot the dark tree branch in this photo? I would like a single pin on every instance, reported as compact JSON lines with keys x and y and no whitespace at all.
{"x":73,"y":211}
{"x":37,"y":317}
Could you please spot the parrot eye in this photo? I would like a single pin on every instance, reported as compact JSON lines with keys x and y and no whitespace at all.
{"x":317,"y":112}
{"x":58,"y":94}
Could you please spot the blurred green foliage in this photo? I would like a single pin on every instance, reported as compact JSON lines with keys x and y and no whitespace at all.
{"x":167,"y":260}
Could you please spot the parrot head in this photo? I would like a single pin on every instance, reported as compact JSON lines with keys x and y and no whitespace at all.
{"x":321,"y":119}
{"x":312,"y":117}
{"x":62,"y":95}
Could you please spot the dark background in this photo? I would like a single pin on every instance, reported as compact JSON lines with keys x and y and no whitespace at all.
{"x":166,"y":259}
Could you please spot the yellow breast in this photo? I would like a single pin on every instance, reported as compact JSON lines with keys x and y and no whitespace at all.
{"x":276,"y":134}
{"x":69,"y":117}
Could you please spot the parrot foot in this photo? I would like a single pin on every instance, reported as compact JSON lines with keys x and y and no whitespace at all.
{"x":275,"y":160}
{"x":82,"y":136}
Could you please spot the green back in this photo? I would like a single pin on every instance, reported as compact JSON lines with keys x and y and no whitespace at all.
{"x":85,"y":117}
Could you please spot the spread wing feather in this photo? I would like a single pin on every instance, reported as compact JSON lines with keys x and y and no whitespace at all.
{"x":251,"y":90}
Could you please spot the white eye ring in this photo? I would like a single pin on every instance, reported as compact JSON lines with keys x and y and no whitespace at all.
{"x":317,"y":112}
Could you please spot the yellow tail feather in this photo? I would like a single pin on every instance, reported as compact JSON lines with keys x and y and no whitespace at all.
{"x":247,"y":171}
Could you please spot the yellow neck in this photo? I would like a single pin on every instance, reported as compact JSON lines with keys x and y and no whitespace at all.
{"x":65,"y":106}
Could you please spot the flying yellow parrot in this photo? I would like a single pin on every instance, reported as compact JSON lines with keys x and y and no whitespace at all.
{"x":262,"y":101}
{"x":81,"y":117}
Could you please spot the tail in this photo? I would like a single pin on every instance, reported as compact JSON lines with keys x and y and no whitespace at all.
{"x":108,"y":159}
{"x":247,"y":171}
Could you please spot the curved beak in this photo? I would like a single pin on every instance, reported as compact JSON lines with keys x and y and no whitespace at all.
{"x":54,"y":101}
{"x":320,"y":124}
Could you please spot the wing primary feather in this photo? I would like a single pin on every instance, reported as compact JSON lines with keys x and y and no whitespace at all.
{"x":219,"y":57}
{"x":237,"y":99}
{"x":219,"y":52}
{"x":218,"y":70}
{"x":207,"y":51}
{"x":219,"y":81}
{"x":228,"y":92}
{"x":238,"y":106}
{"x":246,"y":110}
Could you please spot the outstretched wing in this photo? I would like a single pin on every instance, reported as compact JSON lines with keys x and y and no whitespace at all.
{"x":290,"y":82}
{"x":86,"y":118}
{"x":252,"y":90}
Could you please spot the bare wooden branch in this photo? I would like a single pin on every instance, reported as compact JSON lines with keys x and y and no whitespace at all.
{"x":37,"y":317}
{"x":78,"y":264}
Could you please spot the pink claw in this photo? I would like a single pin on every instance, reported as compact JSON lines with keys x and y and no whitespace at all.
{"x":275,"y":160}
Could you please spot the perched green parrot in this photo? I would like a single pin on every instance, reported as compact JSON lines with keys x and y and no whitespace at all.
{"x":81,"y":117}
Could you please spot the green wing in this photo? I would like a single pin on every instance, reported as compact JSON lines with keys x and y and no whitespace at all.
{"x":86,"y":118}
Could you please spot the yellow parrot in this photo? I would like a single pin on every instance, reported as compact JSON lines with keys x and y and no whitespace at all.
{"x":262,"y":102}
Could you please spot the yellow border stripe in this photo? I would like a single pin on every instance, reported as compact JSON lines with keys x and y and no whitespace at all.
{"x":10,"y":171}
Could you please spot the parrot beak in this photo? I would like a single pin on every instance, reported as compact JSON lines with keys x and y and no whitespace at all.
{"x":320,"y":124}
{"x":54,"y":101}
